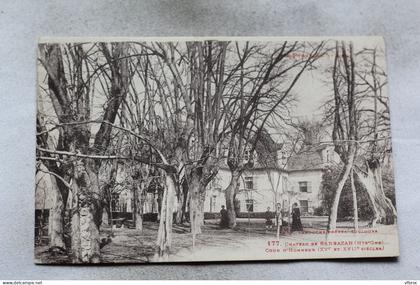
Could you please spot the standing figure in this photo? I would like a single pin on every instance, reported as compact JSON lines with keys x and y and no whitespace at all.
{"x":268,"y":221}
{"x":296,"y":222}
{"x":223,"y":218}
{"x":279,"y":219}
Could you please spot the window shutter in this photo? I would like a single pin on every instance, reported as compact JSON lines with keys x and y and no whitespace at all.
{"x":309,"y":187}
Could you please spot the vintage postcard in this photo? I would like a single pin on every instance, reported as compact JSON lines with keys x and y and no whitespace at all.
{"x":213,"y":149}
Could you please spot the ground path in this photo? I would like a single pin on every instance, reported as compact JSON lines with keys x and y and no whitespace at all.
{"x":248,"y":241}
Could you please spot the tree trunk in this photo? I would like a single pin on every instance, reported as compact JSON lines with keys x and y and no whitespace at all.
{"x":165,"y":226}
{"x":180,"y":206}
{"x":55,"y":221}
{"x":332,"y":222}
{"x":194,"y":190}
{"x":230,"y":194}
{"x":355,"y":207}
{"x":89,"y":232}
{"x":105,"y":216}
{"x":85,"y":228}
{"x":59,"y":191}
{"x":138,"y":209}
{"x":56,"y":216}
{"x":384,"y":210}
{"x":139,"y":220}
{"x":75,"y":225}
{"x":199,"y":216}
{"x":159,"y":203}
{"x":343,"y":116}
{"x":134,"y":206}
{"x":184,"y":201}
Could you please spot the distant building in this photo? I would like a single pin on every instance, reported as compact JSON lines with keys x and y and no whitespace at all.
{"x":285,"y":181}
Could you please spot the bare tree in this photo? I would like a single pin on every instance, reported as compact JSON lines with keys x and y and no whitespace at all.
{"x":358,"y":87}
{"x":262,"y":90}
{"x":375,"y":124}
{"x":182,"y":95}
{"x":345,"y":124}
{"x":70,"y":96}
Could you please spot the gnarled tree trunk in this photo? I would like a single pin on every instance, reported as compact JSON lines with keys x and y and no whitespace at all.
{"x":75,"y":224}
{"x":105,"y":216}
{"x":138,"y":206}
{"x":194,"y":190}
{"x":164,"y":240}
{"x":85,"y":223}
{"x":355,"y":207}
{"x":56,"y":216}
{"x":344,"y":140}
{"x":230,"y":194}
{"x":182,"y":202}
{"x":179,"y":202}
{"x":202,"y":199}
{"x":384,"y":210}
{"x":332,"y":222}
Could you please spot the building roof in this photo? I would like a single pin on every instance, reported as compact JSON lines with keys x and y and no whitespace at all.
{"x":266,"y":149}
{"x":309,"y":158}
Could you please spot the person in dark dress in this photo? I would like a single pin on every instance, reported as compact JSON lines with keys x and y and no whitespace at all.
{"x":296,"y":222}
{"x":223,"y":218}
{"x":268,"y":221}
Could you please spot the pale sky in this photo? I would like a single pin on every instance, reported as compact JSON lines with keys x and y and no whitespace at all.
{"x":311,"y":90}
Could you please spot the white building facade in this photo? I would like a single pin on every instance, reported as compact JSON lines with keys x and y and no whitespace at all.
{"x":298,"y":182}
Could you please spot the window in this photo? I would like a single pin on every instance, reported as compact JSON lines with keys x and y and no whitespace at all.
{"x":283,"y":158}
{"x":303,"y":186}
{"x":285,"y":184}
{"x":247,"y":154}
{"x":304,"y":206}
{"x":225,"y":151}
{"x":123,"y":207}
{"x":123,"y":199}
{"x":213,"y":203}
{"x":237,"y":205}
{"x":115,"y":202}
{"x":249,"y":205}
{"x":249,"y":182}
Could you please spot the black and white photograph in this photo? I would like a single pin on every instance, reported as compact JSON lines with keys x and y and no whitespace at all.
{"x":213,"y":149}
